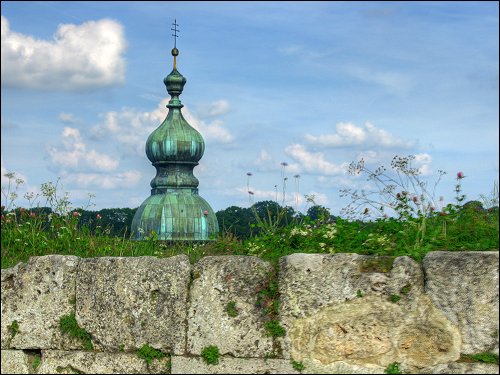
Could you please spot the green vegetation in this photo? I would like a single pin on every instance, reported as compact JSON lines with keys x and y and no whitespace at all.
{"x":480,"y":357}
{"x":210,"y":355}
{"x":231,"y":309}
{"x":299,"y":366}
{"x":36,"y":361}
{"x":274,"y":329}
{"x":394,"y":298}
{"x":401,"y":218}
{"x":406,"y":289}
{"x":359,"y":293}
{"x":13,"y":328}
{"x":69,"y":325}
{"x":393,"y":368}
{"x":149,"y":353}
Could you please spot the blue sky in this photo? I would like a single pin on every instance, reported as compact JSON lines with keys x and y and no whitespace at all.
{"x":313,"y":84}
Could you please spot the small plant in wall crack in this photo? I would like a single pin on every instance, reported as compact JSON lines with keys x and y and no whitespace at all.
{"x":13,"y":328}
{"x":210,"y":355}
{"x":69,"y":326}
{"x":394,"y":298}
{"x":148,"y":353}
{"x":231,"y":309}
{"x":299,"y":366}
{"x":393,"y":368}
{"x":274,"y":329}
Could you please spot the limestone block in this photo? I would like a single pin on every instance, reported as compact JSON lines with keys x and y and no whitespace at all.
{"x":85,"y":362}
{"x":35,"y":295}
{"x":461,"y":368}
{"x":328,"y":320}
{"x":339,"y":367}
{"x":14,"y":362}
{"x":217,"y":281}
{"x":464,"y":285}
{"x":128,"y":302}
{"x":229,"y":365}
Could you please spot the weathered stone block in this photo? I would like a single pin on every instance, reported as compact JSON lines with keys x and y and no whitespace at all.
{"x":361,"y":310}
{"x":128,"y":302}
{"x":228,"y":365}
{"x":464,"y":285}
{"x":217,"y":282}
{"x":339,"y":367}
{"x":84,"y":362}
{"x":14,"y":362}
{"x":35,"y":295}
{"x":460,"y":368}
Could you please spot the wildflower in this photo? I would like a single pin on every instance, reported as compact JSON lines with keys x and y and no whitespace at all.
{"x":398,"y":196}
{"x":205,"y":212}
{"x":98,"y":217}
{"x":32,"y":214}
{"x":432,"y":208}
{"x":3,"y":217}
{"x":415,"y":199}
{"x":75,"y":214}
{"x":366,"y":211}
{"x":460,"y":175}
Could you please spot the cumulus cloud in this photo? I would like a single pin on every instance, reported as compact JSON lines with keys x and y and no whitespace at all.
{"x":74,"y":155}
{"x":422,"y":162}
{"x":131,"y":128}
{"x":313,"y":162}
{"x":104,"y":180}
{"x":348,"y":134}
{"x":83,"y":56}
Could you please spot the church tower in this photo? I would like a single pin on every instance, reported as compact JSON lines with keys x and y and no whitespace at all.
{"x":174,"y":210}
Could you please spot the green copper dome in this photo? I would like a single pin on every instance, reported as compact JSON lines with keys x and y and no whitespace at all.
{"x":175,"y":211}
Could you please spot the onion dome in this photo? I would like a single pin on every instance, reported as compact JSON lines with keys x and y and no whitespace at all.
{"x":175,"y":211}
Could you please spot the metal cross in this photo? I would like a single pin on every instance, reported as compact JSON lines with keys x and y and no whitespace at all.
{"x":175,"y":30}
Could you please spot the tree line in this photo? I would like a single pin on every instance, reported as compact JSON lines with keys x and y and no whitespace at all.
{"x":241,"y":222}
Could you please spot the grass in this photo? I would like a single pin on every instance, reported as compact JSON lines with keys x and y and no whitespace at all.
{"x":58,"y":230}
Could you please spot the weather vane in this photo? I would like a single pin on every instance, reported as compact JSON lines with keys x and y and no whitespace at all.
{"x":175,"y":30}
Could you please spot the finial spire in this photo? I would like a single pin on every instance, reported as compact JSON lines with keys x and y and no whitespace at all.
{"x":175,"y":51}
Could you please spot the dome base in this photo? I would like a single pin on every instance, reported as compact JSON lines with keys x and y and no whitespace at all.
{"x":175,"y":217}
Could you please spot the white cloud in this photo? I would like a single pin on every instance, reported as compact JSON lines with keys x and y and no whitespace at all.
{"x":312,"y":162}
{"x":423,"y":162}
{"x":74,"y":154}
{"x":131,"y":128}
{"x":348,"y":134}
{"x":104,"y":180}
{"x":78,"y":57}
{"x":211,"y":132}
{"x":217,"y":108}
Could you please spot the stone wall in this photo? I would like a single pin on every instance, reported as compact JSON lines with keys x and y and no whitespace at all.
{"x":313,"y":313}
